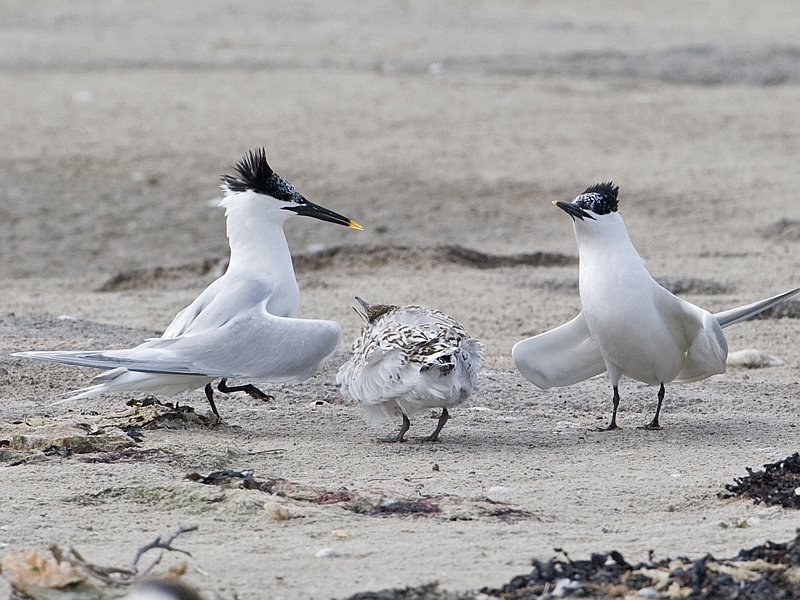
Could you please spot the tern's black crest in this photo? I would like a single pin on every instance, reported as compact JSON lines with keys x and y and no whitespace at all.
{"x":601,"y":198}
{"x":254,"y":173}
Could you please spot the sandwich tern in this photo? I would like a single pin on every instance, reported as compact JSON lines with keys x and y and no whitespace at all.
{"x":242,"y":325}
{"x":628,"y":325}
{"x":408,"y":359}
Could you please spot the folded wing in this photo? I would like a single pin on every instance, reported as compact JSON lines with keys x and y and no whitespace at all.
{"x":253,"y":345}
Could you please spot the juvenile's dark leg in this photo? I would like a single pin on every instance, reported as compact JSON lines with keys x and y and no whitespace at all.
{"x":654,"y":423}
{"x":247,"y":388}
{"x":403,"y":429}
{"x":210,"y":396}
{"x":613,"y":425}
{"x":442,"y":420}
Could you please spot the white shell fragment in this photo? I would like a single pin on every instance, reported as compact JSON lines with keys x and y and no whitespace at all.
{"x":752,"y":359}
{"x":564,"y":586}
{"x":326,"y":553}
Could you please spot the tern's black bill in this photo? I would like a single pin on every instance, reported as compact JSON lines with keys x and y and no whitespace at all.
{"x":309,"y":209}
{"x":573,"y":210}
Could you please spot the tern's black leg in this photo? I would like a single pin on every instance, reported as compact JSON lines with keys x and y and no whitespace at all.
{"x":210,"y":396}
{"x":403,"y":429}
{"x":442,"y":420}
{"x":613,"y":425}
{"x":654,"y":423}
{"x":248,"y":388}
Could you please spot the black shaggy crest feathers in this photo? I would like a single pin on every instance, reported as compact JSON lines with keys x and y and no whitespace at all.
{"x":255,"y":174}
{"x":601,"y":198}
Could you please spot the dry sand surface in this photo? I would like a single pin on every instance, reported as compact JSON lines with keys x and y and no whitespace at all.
{"x":432,"y":124}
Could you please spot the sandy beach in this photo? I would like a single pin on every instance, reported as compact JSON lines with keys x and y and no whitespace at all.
{"x":452,"y":125}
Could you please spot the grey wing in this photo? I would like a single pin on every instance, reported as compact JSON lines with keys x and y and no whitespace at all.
{"x":221,"y":301}
{"x":707,"y":353}
{"x":263,"y":346}
{"x":254,"y":345}
{"x":562,"y":356}
{"x":186,"y":317}
{"x":697,"y":333}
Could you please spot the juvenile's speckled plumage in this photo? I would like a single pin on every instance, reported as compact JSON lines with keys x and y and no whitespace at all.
{"x":407,"y":360}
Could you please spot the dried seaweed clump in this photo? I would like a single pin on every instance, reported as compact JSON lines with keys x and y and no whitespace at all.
{"x":765,"y":572}
{"x":777,"y":483}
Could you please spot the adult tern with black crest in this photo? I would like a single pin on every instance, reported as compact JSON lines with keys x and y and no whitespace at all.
{"x":242,"y":325}
{"x":628,"y":325}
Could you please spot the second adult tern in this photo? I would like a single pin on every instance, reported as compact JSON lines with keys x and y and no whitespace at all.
{"x":629,"y":325}
{"x":407,"y":360}
{"x":242,"y":325}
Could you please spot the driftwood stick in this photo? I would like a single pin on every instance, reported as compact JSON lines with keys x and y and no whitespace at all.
{"x":118,"y":575}
{"x":104,"y":574}
{"x":165,"y":545}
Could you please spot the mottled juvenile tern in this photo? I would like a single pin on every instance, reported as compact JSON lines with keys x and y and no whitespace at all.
{"x":242,"y":325}
{"x":407,"y":360}
{"x":629,"y":325}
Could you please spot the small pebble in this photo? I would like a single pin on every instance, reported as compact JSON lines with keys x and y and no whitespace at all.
{"x":326,"y":553}
{"x":435,"y":466}
{"x":340,"y":533}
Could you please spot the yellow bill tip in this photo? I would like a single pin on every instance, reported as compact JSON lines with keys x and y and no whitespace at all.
{"x":555,"y":202}
{"x":353,"y":225}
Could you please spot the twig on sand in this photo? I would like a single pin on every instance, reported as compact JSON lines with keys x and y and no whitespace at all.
{"x":119,"y":575}
{"x":166,"y":545}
